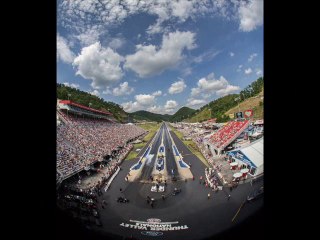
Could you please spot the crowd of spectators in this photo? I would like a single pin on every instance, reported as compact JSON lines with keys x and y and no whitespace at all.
{"x":83,"y":141}
{"x":226,"y":133}
{"x":213,"y":180}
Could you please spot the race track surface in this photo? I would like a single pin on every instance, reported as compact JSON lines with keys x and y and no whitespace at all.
{"x":188,"y":215}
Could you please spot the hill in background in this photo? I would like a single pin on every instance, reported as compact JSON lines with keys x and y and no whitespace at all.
{"x":149,"y":116}
{"x":181,"y":114}
{"x":221,"y":107}
{"x":249,"y":98}
{"x":85,"y":98}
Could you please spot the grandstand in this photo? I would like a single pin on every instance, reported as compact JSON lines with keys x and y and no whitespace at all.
{"x":227,"y":134}
{"x":86,"y":135}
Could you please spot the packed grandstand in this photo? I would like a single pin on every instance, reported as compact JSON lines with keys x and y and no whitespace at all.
{"x":85,"y":136}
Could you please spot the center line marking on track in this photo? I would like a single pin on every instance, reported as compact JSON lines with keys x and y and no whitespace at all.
{"x":237,"y":211}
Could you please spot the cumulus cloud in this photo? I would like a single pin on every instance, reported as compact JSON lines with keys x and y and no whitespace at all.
{"x":150,"y":60}
{"x":252,"y":56}
{"x":250,"y":15}
{"x":116,"y":43}
{"x":170,"y":106}
{"x":142,"y":101}
{"x":131,"y":106}
{"x":99,"y":64}
{"x":157,"y":93}
{"x":259,"y":72}
{"x":191,"y":102}
{"x":73,"y":85}
{"x":95,"y":93}
{"x":231,"y":54}
{"x":229,"y":89}
{"x":177,"y":87}
{"x":210,"y":85}
{"x":145,"y":99}
{"x":148,"y":102}
{"x":123,"y":89}
{"x":64,"y":52}
{"x":248,"y":71}
{"x":89,"y":36}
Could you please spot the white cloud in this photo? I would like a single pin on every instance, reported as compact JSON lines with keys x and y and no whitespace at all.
{"x":87,"y":14}
{"x":157,"y":93}
{"x":155,"y":109}
{"x":143,"y":102}
{"x":182,"y":9}
{"x":99,"y":64}
{"x":73,"y":85}
{"x":248,"y":71}
{"x":116,"y":43}
{"x":150,"y":60}
{"x":170,"y":106}
{"x":123,"y":89}
{"x":155,"y":28}
{"x":210,"y":85}
{"x":89,"y":36}
{"x":145,"y":99}
{"x":239,"y":68}
{"x":206,"y":56}
{"x":252,"y":56}
{"x":95,"y":93}
{"x":191,"y":102}
{"x":131,"y":106}
{"x":64,"y":52}
{"x":231,"y":54}
{"x":177,"y":87}
{"x":229,"y":89}
{"x":250,"y":15}
{"x":259,"y":72}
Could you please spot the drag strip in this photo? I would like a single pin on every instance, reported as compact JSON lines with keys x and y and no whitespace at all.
{"x":150,"y":159}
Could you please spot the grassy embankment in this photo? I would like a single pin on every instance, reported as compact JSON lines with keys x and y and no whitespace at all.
{"x":152,"y":128}
{"x":192,"y":146}
{"x":255,"y":103}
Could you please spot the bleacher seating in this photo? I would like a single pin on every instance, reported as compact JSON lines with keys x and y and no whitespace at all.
{"x":83,"y":141}
{"x":227,"y":133}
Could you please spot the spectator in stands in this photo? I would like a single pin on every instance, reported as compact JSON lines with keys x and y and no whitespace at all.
{"x":82,"y":141}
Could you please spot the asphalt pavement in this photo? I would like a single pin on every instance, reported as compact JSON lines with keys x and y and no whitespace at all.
{"x":189,"y":215}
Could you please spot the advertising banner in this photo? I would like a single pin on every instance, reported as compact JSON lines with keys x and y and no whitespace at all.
{"x":239,"y":115}
{"x":240,"y":156}
{"x":231,"y":115}
{"x":248,"y":113}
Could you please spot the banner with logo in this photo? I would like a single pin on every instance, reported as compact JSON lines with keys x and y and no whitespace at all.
{"x":239,"y":115}
{"x":248,"y":113}
{"x":240,"y":156}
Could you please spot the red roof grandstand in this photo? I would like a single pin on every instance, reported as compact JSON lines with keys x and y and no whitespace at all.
{"x":228,"y":133}
{"x":68,"y":102}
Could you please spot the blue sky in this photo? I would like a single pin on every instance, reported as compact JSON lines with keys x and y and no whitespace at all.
{"x":159,"y":55}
